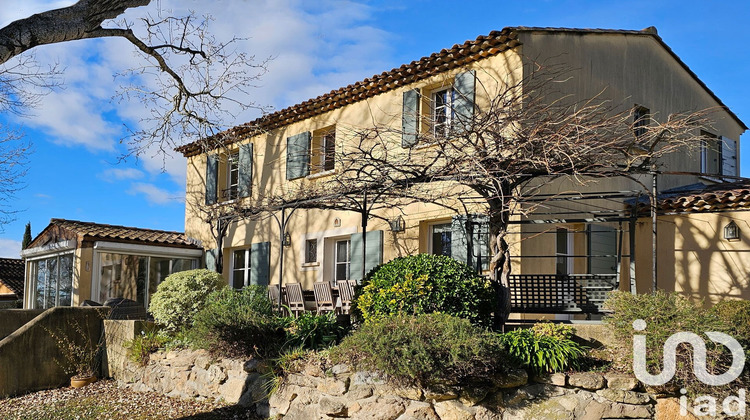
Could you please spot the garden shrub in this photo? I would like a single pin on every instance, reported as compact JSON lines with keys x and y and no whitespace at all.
{"x":147,"y":342}
{"x":554,"y":330}
{"x":181,"y":295}
{"x":542,"y":352}
{"x":736,"y":315}
{"x":313,"y":332}
{"x":666,"y":314}
{"x":421,"y":284}
{"x":423,"y":350}
{"x":237,"y":323}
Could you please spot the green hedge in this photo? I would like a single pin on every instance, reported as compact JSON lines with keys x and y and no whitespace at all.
{"x":424,"y":283}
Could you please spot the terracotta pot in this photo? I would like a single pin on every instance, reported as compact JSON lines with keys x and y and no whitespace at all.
{"x":81,"y":382}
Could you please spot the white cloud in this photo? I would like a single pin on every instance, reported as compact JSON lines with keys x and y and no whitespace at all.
{"x":156,"y":195}
{"x":117,"y":174}
{"x":317,"y":47}
{"x":10,"y":248}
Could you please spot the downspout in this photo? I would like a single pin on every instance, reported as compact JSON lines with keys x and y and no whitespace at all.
{"x":364,"y":234}
{"x":282,"y":230}
{"x":653,"y":231}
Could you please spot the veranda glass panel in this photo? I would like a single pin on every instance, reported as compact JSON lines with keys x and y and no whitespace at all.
{"x":50,"y":293}
{"x":66,"y":280}
{"x":158,"y":271}
{"x":41,"y":283}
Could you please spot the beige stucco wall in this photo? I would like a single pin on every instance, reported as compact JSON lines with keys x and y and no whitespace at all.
{"x":632,"y":70}
{"x":269,"y":176}
{"x":693,"y":257}
{"x":628,"y":70}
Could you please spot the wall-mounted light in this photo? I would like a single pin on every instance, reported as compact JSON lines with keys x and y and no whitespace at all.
{"x":287,"y":240}
{"x":732,"y":231}
{"x":397,"y":224}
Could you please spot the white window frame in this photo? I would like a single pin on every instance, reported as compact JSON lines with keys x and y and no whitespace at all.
{"x":336,"y":261}
{"x":139,"y":251}
{"x":431,"y":231}
{"x":232,"y":190}
{"x":446,"y":110}
{"x":32,"y":265}
{"x":245,"y":270}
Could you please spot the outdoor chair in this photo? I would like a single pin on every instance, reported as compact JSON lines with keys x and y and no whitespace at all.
{"x":274,"y":295}
{"x":294,"y":298}
{"x":324,"y":297}
{"x":346,"y":293}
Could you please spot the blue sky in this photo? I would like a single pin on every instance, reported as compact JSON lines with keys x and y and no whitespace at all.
{"x":75,"y":171}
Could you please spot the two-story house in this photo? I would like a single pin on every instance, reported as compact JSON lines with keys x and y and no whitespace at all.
{"x":296,"y":147}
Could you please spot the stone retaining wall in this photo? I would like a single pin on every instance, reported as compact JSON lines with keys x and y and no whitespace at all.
{"x":339,"y":393}
{"x":194,"y":374}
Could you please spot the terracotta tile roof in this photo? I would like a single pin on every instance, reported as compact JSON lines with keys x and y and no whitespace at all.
{"x":444,"y":60}
{"x":97,"y":231}
{"x":11,"y":274}
{"x":703,"y":198}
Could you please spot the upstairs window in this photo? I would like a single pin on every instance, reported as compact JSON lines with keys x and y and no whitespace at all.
{"x":710,"y":154}
{"x":437,"y":111}
{"x":442,"y":112}
{"x":641,"y":121}
{"x":229,"y":176}
{"x":233,"y":177}
{"x":323,"y":151}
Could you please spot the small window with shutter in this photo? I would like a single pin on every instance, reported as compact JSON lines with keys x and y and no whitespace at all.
{"x":711,"y":148}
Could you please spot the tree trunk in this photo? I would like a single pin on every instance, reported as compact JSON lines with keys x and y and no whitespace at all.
{"x":500,"y":263}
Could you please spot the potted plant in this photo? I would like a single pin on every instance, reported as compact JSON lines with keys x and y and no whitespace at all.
{"x":79,"y":354}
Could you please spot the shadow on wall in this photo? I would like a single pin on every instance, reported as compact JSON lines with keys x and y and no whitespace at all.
{"x":704,"y":265}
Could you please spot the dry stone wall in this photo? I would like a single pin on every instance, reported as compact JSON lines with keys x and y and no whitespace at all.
{"x":339,"y":393}
{"x":194,"y":374}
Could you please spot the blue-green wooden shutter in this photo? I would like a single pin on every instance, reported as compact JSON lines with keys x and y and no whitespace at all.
{"x":260,"y":262}
{"x":729,"y":157}
{"x":211,"y":255}
{"x":245,"y":169}
{"x":463,"y":100}
{"x":298,"y":155}
{"x":212,"y":173}
{"x":410,"y":118}
{"x":373,"y":253}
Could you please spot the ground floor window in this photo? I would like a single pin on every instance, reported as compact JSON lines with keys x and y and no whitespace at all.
{"x":240,"y":268}
{"x":343,"y":259}
{"x":136,"y":277}
{"x":440,"y":239}
{"x":53,"y":281}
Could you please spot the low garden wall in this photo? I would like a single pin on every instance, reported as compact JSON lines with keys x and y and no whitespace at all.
{"x":337,"y":392}
{"x":185,"y":373}
{"x":30,"y":357}
{"x":340,"y":393}
{"x":13,"y":319}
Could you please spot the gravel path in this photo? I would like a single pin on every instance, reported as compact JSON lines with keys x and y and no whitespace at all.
{"x":106,"y":400}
